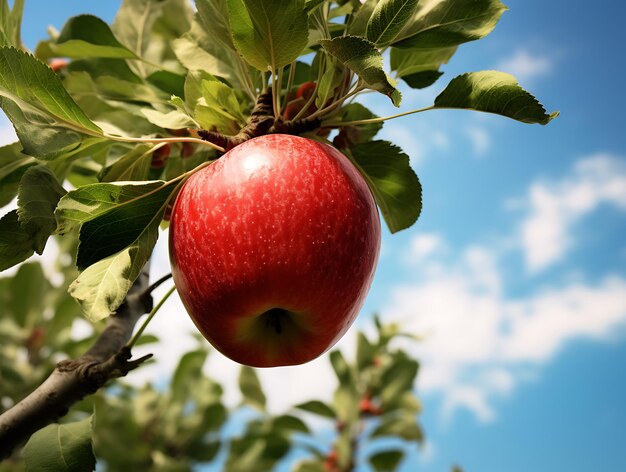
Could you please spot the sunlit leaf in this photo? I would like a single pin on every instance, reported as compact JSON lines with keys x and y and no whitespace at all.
{"x":361,"y":56}
{"x":268,"y":34}
{"x":443,"y":23}
{"x":493,"y":92}
{"x":388,"y":19}
{"x":87,"y":36}
{"x":394,"y":184}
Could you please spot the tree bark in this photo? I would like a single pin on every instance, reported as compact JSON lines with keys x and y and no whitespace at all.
{"x":72,"y":380}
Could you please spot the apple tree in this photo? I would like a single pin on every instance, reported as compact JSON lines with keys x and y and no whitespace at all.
{"x":113,"y":122}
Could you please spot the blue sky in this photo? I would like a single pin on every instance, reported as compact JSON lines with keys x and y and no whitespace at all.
{"x":516,"y":269}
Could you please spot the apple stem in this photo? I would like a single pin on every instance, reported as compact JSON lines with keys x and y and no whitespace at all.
{"x":261,"y":122}
{"x":153,"y":312}
{"x":156,"y":284}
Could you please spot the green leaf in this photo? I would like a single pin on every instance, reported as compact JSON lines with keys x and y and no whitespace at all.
{"x":360,"y":20}
{"x":134,"y":165}
{"x":310,"y":466}
{"x":362,"y":57}
{"x":13,"y":164}
{"x":39,"y":194}
{"x":403,"y":426}
{"x":213,"y":15}
{"x":121,"y":217}
{"x":39,"y":134}
{"x":386,"y":461}
{"x":332,"y":78}
{"x":269,"y":34}
{"x":365,"y":352}
{"x":67,"y":447}
{"x":101,"y":288}
{"x":134,"y":21}
{"x":419,"y":68}
{"x":251,"y":388}
{"x":355,"y":134}
{"x":342,"y":368}
{"x":198,"y":52}
{"x":407,"y":402}
{"x":27,"y":299}
{"x":395,"y":186}
{"x":311,"y":5}
{"x":92,"y":201}
{"x":87,"y":36}
{"x":173,"y":119}
{"x":388,"y":19}
{"x":443,"y":23}
{"x":493,"y":92}
{"x":15,"y":243}
{"x":398,"y":379}
{"x":318,"y":408}
{"x":108,"y":88}
{"x":346,"y":403}
{"x":289,"y":424}
{"x":221,"y":99}
{"x":10,"y":23}
{"x":35,"y":87}
{"x":119,"y":226}
{"x":187,"y":373}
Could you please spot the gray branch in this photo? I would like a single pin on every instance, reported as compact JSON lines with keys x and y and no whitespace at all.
{"x":72,"y":380}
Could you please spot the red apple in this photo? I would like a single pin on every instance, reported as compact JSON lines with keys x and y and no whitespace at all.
{"x":273,"y":248}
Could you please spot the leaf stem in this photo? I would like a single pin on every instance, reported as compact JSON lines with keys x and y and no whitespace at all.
{"x":278,"y":87}
{"x":153,"y":312}
{"x":375,"y":120}
{"x":292,"y":74}
{"x":156,"y":284}
{"x":335,"y":104}
{"x":128,"y":139}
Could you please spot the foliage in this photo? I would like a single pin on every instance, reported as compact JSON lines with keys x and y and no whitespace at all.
{"x":108,"y":134}
{"x":186,"y":422}
{"x":160,"y":72}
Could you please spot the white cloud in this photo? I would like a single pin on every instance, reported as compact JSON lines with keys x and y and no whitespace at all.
{"x":479,"y":343}
{"x":555,"y":206}
{"x":480,"y":139}
{"x":425,"y":245}
{"x":526,"y":66}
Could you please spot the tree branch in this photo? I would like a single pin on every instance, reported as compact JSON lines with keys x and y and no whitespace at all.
{"x":72,"y":380}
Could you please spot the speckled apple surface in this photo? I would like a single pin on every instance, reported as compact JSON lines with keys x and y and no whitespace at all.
{"x":273,"y":249}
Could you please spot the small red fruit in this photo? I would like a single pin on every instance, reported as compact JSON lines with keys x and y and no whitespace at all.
{"x":187,"y":150}
{"x":306,"y":90}
{"x":331,"y":462}
{"x":160,"y":157}
{"x":292,"y":110}
{"x":58,"y":64}
{"x":273,"y":248}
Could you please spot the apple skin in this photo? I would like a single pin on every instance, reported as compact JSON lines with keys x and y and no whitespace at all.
{"x":273,"y":249}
